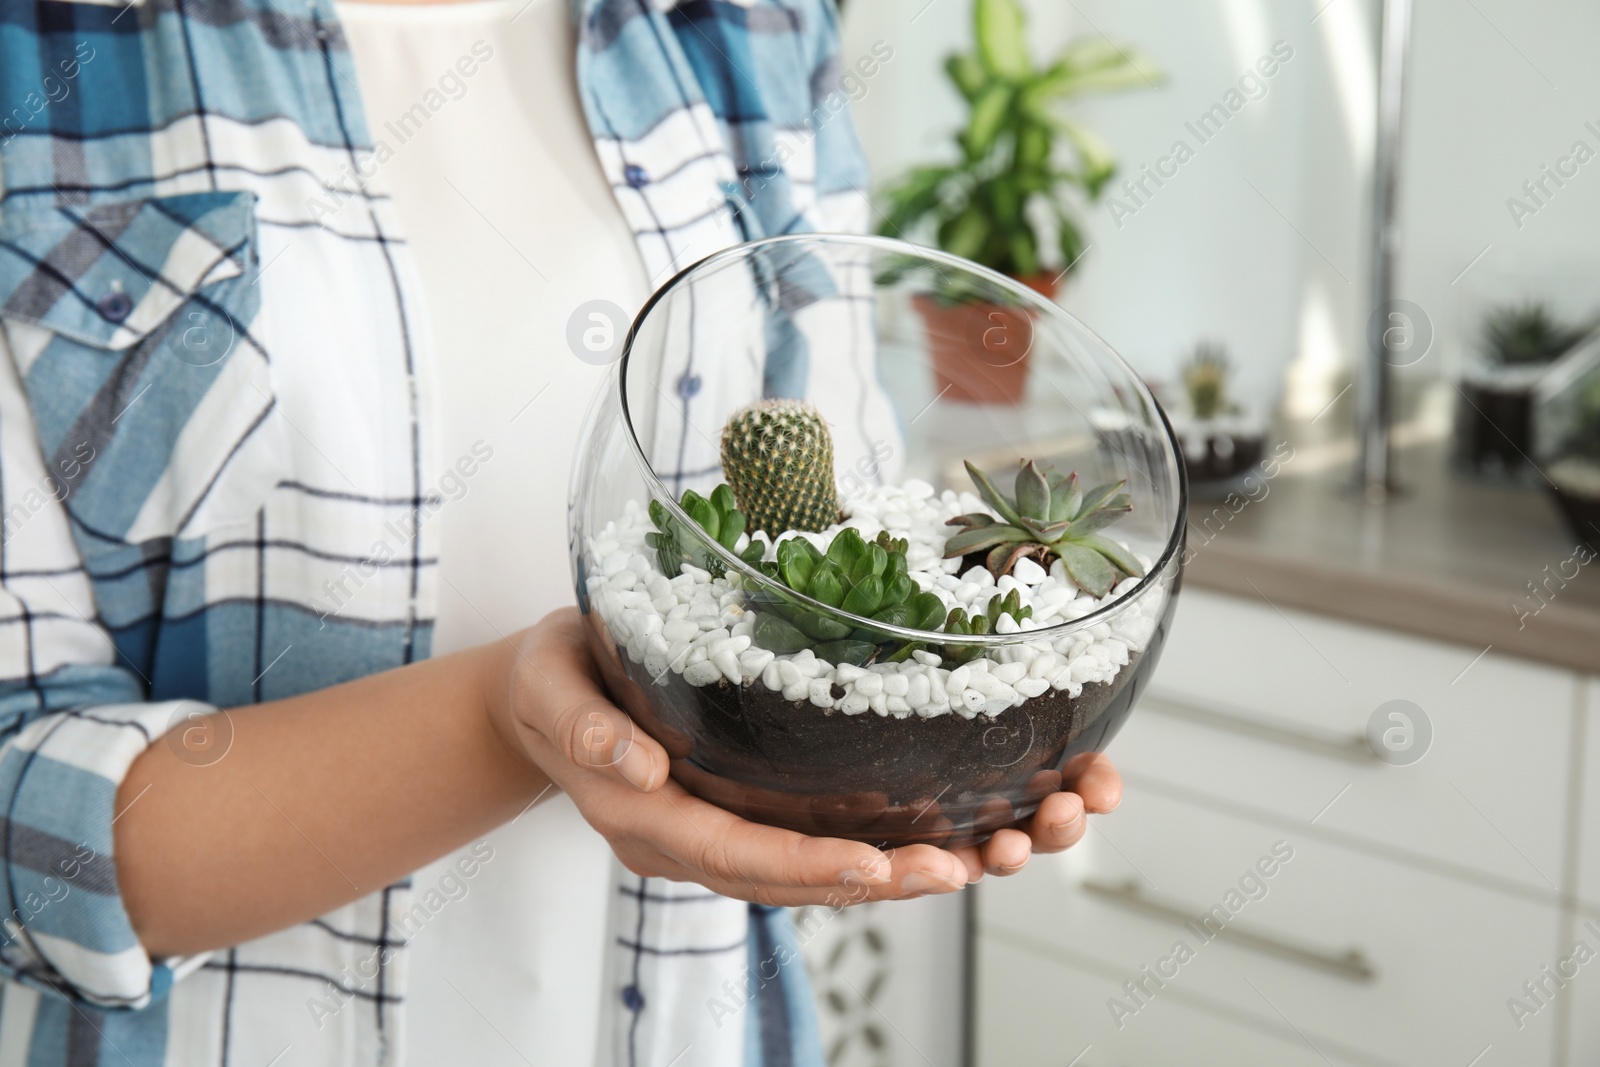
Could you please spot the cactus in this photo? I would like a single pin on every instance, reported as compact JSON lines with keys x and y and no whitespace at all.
{"x":1205,"y":377}
{"x":855,"y":575}
{"x":778,"y":457}
{"x":1051,"y":517}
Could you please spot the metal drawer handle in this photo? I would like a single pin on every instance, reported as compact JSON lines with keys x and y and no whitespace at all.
{"x":1352,"y":747}
{"x":1351,"y":964}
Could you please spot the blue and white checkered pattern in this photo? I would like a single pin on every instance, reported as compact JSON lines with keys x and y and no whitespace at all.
{"x":216,"y":473}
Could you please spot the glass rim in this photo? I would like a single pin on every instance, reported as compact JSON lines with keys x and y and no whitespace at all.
{"x":732,"y":563}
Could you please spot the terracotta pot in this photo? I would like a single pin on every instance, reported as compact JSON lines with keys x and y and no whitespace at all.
{"x":980,"y":351}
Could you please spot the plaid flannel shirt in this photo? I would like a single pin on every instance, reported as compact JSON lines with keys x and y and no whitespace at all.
{"x":195,"y":448}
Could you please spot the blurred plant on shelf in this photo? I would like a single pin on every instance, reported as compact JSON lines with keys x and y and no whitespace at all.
{"x":1574,"y":476}
{"x":985,"y":206}
{"x":1519,"y":335}
{"x":1522,"y":348}
{"x":1205,"y":379}
{"x":1220,"y":440}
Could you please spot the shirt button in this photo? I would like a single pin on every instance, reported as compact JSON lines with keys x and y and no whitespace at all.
{"x":636,"y":175}
{"x":633,"y":998}
{"x":115,"y":306}
{"x":688,"y":385}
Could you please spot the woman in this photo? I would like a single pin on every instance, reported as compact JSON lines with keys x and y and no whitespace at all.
{"x":272,"y":532}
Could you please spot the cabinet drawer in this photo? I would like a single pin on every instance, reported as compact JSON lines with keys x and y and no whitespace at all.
{"x":1037,"y":1012}
{"x":1271,"y":710}
{"x":1583,"y":991}
{"x":1588,"y":827}
{"x":1355,"y":952}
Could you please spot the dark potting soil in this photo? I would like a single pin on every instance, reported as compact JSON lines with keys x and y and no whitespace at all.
{"x":944,"y":780}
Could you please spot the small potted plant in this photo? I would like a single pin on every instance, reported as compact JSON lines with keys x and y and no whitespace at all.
{"x":1574,"y":475}
{"x":1009,"y":175}
{"x":1519,"y":345}
{"x":1220,"y":441}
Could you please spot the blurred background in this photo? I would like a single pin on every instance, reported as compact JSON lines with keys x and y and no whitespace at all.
{"x":1384,"y":705}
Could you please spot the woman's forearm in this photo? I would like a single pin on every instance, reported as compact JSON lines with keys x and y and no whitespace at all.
{"x":319,"y":800}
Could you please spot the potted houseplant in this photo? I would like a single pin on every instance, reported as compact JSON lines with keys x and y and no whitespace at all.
{"x":1009,"y":175}
{"x":1220,"y":440}
{"x":1519,"y":345}
{"x":1574,"y":475}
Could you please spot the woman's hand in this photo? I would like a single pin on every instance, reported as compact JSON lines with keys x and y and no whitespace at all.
{"x":555,"y":710}
{"x":1060,"y":822}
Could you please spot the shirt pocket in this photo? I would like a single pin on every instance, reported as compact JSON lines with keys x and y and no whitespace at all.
{"x":130,"y":324}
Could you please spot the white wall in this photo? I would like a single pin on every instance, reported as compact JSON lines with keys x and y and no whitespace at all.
{"x":1260,"y":240}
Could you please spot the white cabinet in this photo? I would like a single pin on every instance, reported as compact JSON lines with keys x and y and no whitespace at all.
{"x":1489,"y":795}
{"x":1587,"y":830}
{"x":1419,"y":899}
{"x":1362,"y":957}
{"x":1038,"y":1012}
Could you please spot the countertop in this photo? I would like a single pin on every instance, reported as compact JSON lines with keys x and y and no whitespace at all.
{"x":1484,"y":564}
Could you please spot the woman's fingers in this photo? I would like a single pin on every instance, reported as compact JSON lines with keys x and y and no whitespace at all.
{"x":1006,"y":852}
{"x":597,"y":736}
{"x":1094,"y":778}
{"x":717,"y":846}
{"x":1059,"y":823}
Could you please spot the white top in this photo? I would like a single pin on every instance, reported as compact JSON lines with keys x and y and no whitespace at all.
{"x":513,"y":227}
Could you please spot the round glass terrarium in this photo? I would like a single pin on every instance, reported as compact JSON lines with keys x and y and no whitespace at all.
{"x":928,"y":656}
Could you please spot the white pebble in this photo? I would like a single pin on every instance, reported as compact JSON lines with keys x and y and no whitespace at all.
{"x":703,"y":673}
{"x":821,"y":692}
{"x":727,"y":661}
{"x":1028,"y":572}
{"x":1032,"y":687}
{"x":853,"y":704}
{"x":870,"y":684}
{"x":1009,"y":673}
{"x":1043,"y":664}
{"x":958,"y":679}
{"x":753,"y":661}
{"x":919,"y":691}
{"x":735,"y":645}
{"x":897,"y":684}
{"x":798,"y":691}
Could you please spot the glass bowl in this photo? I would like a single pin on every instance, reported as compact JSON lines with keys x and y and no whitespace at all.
{"x":896,"y":739}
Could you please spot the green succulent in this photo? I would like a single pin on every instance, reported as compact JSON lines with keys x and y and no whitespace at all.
{"x":861,"y":577}
{"x":981,"y":623}
{"x":718,"y":516}
{"x":1521,"y":335}
{"x":1051,"y":517}
{"x":778,"y":457}
{"x":1205,"y":377}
